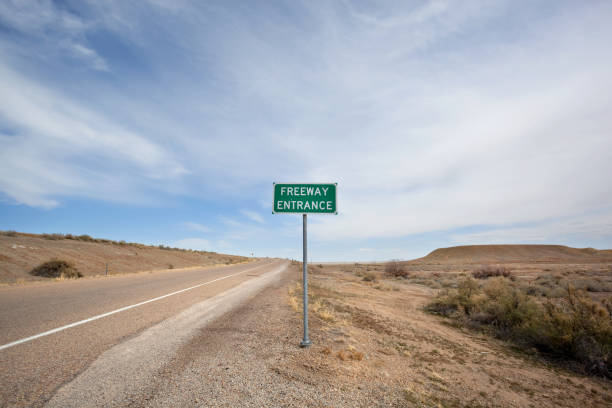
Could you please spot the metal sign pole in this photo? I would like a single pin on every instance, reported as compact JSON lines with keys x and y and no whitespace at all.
{"x":305,"y":341}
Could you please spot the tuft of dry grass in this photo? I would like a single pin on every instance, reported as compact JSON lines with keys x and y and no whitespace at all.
{"x":349,"y":354}
{"x":319,"y":309}
{"x":370,"y":276}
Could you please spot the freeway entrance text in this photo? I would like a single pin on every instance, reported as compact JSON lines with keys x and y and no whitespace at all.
{"x":304,"y":198}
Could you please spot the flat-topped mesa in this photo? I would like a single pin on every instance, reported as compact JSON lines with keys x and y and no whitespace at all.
{"x":516,"y":253}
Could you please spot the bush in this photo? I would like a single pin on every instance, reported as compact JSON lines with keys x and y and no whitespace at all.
{"x":53,"y":237}
{"x":573,"y":327}
{"x":491,"y":271}
{"x":578,"y":327}
{"x":85,"y":238}
{"x":9,"y":233}
{"x":370,"y":277}
{"x":56,"y":268}
{"x":396,"y":269}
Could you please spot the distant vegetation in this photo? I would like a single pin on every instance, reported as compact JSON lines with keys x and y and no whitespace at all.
{"x":56,"y":268}
{"x":87,"y":238}
{"x":573,"y":326}
{"x":396,"y":269}
{"x":491,"y":271}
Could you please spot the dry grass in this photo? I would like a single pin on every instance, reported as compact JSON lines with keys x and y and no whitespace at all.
{"x":396,"y":269}
{"x":486,"y":272}
{"x":349,"y":354}
{"x":370,"y":276}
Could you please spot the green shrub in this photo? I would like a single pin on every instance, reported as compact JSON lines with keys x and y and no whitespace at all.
{"x":578,"y":327}
{"x":9,"y":233}
{"x":508,"y":308}
{"x":56,"y":268}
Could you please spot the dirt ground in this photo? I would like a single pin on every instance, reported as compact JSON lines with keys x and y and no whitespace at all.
{"x":373,"y":346}
{"x":20,"y":253}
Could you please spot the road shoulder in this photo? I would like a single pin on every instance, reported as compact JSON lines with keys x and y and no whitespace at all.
{"x":124,"y":371}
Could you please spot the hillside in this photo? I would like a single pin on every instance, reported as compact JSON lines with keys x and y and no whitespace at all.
{"x":20,"y":252}
{"x":516,"y":253}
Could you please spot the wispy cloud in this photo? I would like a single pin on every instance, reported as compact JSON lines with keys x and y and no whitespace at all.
{"x":56,"y":148}
{"x":252,"y":215}
{"x":586,"y":228}
{"x":196,"y":226}
{"x":87,"y":53}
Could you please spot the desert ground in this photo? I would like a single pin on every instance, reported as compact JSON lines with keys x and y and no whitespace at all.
{"x":374,"y":343}
{"x":379,"y":342}
{"x":20,"y":252}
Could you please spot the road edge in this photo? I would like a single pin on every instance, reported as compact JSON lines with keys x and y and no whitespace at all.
{"x":126,"y":367}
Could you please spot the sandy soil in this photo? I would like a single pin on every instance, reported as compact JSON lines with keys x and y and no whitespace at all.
{"x":373,"y":346}
{"x":19,"y":254}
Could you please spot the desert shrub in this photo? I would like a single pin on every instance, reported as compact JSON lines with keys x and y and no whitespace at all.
{"x":444,"y":304}
{"x":9,"y":233}
{"x":573,"y":327}
{"x":491,"y":271}
{"x":459,"y":302}
{"x":579,"y":328}
{"x":396,"y":269}
{"x":369,"y":277}
{"x":170,"y":266}
{"x":592,"y":285}
{"x":53,"y":237}
{"x":508,"y":308}
{"x":85,"y":237}
{"x":56,"y":268}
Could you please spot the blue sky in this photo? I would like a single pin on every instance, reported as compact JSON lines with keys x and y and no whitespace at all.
{"x":443,"y":122}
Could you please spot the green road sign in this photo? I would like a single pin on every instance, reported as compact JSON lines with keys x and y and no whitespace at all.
{"x":305,"y":198}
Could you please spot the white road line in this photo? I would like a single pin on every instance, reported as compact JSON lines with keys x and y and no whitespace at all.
{"x":100,"y":316}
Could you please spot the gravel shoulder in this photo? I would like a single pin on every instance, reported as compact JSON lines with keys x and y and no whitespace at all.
{"x":125,"y":371}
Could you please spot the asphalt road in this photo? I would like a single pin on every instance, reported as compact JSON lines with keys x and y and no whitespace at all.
{"x":33,"y":370}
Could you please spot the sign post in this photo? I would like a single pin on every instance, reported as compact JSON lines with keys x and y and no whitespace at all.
{"x":305,"y":340}
{"x":303,"y":199}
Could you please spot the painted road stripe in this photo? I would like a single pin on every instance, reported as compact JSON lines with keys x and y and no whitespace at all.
{"x":100,"y":316}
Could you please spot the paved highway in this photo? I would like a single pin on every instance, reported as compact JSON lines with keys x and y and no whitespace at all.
{"x":51,"y":332}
